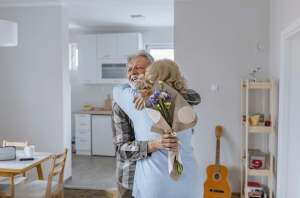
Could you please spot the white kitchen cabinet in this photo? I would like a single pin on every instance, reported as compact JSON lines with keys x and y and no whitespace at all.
{"x":102,"y":143}
{"x":83,"y":134}
{"x":128,"y":43}
{"x":87,"y":59}
{"x":107,"y":45}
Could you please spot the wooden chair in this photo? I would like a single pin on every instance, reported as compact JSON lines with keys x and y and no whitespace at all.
{"x":18,"y":178}
{"x":42,"y":188}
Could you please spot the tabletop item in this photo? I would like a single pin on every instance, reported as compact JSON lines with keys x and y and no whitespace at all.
{"x":87,"y":107}
{"x":254,"y":120}
{"x":216,"y":185}
{"x":107,"y":105}
{"x":26,"y":158}
{"x":29,"y":150}
{"x":7,"y":153}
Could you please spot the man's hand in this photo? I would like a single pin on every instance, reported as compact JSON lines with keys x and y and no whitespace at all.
{"x":166,"y":141}
{"x":139,"y":100}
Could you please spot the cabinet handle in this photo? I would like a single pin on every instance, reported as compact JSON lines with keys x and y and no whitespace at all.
{"x":117,"y":81}
{"x":82,"y":115}
{"x":87,"y":81}
{"x":106,"y":56}
{"x":82,"y":140}
{"x":82,"y":132}
{"x":82,"y":124}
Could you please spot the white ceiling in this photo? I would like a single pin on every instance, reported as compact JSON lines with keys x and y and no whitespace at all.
{"x":116,"y":13}
{"x":94,"y":14}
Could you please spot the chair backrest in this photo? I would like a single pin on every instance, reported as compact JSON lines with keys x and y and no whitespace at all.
{"x":16,"y":144}
{"x":57,"y":167}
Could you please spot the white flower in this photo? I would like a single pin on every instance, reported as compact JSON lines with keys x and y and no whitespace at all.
{"x":160,"y":81}
{"x":167,"y":103}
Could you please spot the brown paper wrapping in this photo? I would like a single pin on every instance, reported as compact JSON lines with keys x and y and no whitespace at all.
{"x":182,"y":116}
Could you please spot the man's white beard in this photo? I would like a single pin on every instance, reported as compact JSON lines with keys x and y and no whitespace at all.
{"x":132,"y":85}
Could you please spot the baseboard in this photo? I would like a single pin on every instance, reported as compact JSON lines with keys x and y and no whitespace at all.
{"x":68,"y":179}
{"x":235,"y":195}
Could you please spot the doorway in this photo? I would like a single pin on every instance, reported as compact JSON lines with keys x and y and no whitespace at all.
{"x":288,"y":182}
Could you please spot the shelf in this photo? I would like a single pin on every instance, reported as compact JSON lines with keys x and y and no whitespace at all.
{"x":259,"y":129}
{"x":258,"y":85}
{"x":257,"y":172}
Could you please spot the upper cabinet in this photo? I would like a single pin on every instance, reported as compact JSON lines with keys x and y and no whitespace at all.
{"x":128,"y":43}
{"x":87,"y":58}
{"x":107,"y":45}
{"x":109,"y":52}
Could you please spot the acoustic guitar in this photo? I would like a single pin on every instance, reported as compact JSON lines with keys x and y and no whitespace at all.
{"x":216,"y":185}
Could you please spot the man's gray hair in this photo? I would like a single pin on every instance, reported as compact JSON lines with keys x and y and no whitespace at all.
{"x":144,"y":53}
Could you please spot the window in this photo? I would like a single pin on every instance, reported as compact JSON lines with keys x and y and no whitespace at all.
{"x":161,"y":51}
{"x":73,"y":57}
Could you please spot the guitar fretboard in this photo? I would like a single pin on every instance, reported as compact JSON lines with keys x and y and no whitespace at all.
{"x":218,"y":157}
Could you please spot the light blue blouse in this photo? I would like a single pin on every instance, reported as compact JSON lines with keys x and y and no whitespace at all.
{"x":152,"y":178}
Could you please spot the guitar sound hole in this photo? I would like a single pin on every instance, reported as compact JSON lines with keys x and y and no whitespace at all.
{"x":217,"y":177}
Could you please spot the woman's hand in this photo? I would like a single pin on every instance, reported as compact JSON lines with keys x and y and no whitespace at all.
{"x":139,"y":100}
{"x":166,"y":141}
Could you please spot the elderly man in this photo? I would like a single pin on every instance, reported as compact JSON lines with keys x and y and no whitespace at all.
{"x":129,"y":150}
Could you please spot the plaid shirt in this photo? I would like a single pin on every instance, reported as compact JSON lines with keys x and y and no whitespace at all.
{"x":129,"y":150}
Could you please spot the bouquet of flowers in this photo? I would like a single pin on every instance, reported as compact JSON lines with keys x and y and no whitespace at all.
{"x":171,"y":115}
{"x":159,"y":101}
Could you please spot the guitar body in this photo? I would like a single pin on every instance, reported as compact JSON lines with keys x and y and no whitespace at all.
{"x":216,"y":188}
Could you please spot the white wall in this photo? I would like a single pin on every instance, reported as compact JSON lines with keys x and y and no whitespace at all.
{"x":34,"y":76}
{"x":215,"y":43}
{"x":82,"y":93}
{"x":282,"y":14}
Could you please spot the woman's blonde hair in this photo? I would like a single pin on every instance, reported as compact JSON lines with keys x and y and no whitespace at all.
{"x":164,"y":70}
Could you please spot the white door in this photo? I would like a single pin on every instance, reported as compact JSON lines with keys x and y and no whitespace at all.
{"x":87,"y":58}
{"x":293,"y":162}
{"x":107,"y":45}
{"x":128,"y":43}
{"x":102,"y":143}
{"x":288,"y":180}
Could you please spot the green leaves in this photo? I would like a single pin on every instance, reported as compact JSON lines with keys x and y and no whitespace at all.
{"x":178,"y":167}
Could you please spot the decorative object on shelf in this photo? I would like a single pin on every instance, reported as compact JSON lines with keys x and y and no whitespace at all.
{"x":267,"y":123}
{"x":261,"y":118}
{"x":8,"y":33}
{"x":255,"y":79}
{"x":254,"y":120}
{"x":256,"y":187}
{"x":107,"y":105}
{"x":216,"y":185}
{"x":256,"y":159}
{"x":244,"y":118}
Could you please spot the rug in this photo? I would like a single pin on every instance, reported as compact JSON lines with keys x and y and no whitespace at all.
{"x":73,"y":193}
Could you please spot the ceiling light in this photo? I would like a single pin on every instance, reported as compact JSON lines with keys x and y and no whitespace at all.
{"x":8,"y":33}
{"x":139,"y":16}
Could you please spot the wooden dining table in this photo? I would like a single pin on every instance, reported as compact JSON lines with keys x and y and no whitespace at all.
{"x":15,"y":167}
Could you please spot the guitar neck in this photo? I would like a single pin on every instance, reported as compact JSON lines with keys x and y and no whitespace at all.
{"x":217,"y":166}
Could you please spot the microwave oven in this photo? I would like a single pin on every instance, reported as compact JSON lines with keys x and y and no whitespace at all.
{"x":112,"y":71}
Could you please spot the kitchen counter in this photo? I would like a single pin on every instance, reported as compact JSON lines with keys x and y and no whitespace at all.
{"x":92,"y":112}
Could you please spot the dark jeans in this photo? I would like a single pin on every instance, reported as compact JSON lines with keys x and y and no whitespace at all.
{"x":124,"y":192}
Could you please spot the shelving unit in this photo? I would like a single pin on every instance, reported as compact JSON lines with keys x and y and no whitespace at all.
{"x":245,"y":126}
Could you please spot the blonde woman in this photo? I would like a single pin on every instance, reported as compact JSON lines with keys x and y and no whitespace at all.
{"x":152,"y":179}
